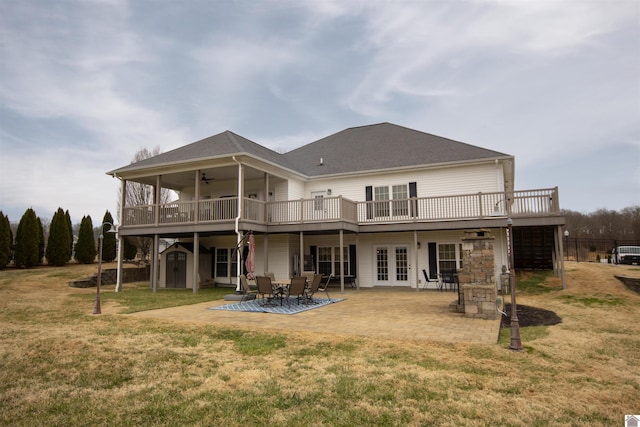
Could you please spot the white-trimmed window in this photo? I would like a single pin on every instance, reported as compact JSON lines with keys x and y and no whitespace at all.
{"x":449,"y":257}
{"x":226,"y":263}
{"x":324,"y":261}
{"x":391,"y":200}
{"x":400,"y":202}
{"x":329,"y":260}
{"x":381,"y":196}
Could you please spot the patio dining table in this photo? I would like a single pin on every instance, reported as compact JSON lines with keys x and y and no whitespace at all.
{"x":280,"y":288}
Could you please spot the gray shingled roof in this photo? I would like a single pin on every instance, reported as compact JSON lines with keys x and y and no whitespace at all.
{"x":224,"y":144}
{"x":357,"y":149}
{"x":382,"y":146}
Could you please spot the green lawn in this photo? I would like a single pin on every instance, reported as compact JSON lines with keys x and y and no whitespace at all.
{"x":62,"y":366}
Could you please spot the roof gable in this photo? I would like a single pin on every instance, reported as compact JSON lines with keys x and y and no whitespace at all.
{"x":382,"y":146}
{"x":225,"y":144}
{"x":188,"y":246}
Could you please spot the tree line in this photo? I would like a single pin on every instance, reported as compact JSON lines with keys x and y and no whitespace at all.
{"x":621,"y":225}
{"x":32,"y":246}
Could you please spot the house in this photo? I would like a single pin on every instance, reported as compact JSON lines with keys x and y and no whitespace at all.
{"x":375,"y":204}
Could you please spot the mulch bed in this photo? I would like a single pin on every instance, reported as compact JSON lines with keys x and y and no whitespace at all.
{"x":632,"y":283}
{"x":531,"y":316}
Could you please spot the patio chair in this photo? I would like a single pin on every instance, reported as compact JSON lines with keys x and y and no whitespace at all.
{"x":270,"y":275}
{"x":297,"y":288}
{"x":428,"y":280}
{"x":266,"y":290}
{"x":450,"y":280}
{"x":309,"y":275}
{"x":247,"y":292}
{"x":325,"y":288}
{"x":313,"y":287}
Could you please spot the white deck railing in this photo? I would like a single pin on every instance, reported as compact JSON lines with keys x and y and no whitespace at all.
{"x":330,"y":209}
{"x":312,"y":210}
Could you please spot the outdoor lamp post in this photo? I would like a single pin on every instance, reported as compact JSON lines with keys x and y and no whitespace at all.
{"x":516,"y":343}
{"x":566,"y":243}
{"x":112,"y":229}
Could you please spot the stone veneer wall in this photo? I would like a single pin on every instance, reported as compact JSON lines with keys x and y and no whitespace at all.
{"x":109,"y":275}
{"x":477,"y":276}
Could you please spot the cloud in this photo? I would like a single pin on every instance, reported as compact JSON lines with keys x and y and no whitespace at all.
{"x":435,"y":47}
{"x":85,"y":84}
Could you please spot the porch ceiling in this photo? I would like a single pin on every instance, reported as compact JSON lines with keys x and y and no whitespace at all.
{"x":183,"y":179}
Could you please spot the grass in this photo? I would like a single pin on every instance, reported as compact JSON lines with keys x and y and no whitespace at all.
{"x":138,"y":297}
{"x":588,"y":301}
{"x":60,"y":365}
{"x":535,"y":282}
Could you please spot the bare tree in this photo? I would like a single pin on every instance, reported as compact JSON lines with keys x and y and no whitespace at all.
{"x":138,"y":194}
{"x":605,"y":224}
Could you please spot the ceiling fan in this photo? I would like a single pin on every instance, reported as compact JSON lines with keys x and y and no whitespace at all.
{"x":205,"y":179}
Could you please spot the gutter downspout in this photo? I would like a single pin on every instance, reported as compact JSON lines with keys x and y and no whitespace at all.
{"x":239,"y":236}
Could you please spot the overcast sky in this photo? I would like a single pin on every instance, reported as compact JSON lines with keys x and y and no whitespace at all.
{"x":85,"y":84}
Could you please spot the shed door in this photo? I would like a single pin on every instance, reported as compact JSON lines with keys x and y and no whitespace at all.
{"x":176,"y":270}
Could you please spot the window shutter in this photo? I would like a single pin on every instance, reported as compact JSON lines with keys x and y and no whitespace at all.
{"x":352,"y":260}
{"x":313,"y":251}
{"x":213,"y":262}
{"x":413,"y":194}
{"x":369,"y":198}
{"x":245,"y":255}
{"x":433,"y":260}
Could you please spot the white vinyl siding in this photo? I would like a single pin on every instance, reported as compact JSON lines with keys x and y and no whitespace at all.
{"x":469,"y":179}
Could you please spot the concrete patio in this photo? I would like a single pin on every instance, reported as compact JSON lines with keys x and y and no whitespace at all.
{"x":394,"y":313}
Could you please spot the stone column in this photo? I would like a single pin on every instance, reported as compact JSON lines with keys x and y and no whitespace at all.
{"x":477,"y":276}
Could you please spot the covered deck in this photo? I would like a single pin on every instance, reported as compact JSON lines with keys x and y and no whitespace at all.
{"x":257,"y":214}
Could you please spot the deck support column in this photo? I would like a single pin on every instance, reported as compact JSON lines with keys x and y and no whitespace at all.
{"x":341,"y":264}
{"x":196,"y":261}
{"x":415,"y":259}
{"x":156,"y":200}
{"x":300,"y":265}
{"x":266,"y":253}
{"x":561,"y":255}
{"x":155,"y":263}
{"x":196,"y":207}
{"x":123,"y":198}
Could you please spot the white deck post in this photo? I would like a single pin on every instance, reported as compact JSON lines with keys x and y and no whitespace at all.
{"x":196,"y":260}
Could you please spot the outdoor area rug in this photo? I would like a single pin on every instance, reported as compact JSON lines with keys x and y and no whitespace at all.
{"x":253,"y":306}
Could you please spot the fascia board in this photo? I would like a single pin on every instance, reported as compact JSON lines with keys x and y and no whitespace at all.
{"x":208,"y":162}
{"x":411,"y":168}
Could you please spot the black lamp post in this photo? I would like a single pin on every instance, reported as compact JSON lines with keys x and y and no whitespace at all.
{"x":112,"y":229}
{"x":516,"y":342}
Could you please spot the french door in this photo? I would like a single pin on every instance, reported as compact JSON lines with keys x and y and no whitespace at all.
{"x":392,"y":266}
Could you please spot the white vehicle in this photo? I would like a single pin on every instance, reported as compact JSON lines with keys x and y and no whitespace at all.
{"x":626,"y":255}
